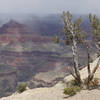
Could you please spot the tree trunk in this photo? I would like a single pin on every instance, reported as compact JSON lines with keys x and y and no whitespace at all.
{"x":88,"y":67}
{"x":97,"y":66}
{"x":75,"y":58}
{"x":95,"y":69}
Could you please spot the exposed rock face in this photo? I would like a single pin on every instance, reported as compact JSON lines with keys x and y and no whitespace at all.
{"x":13,"y":27}
{"x":8,"y":82}
{"x":15,"y":32}
{"x":27,"y":56}
{"x":25,"y":53}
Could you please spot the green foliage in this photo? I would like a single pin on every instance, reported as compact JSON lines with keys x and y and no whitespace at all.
{"x":75,"y":26}
{"x":73,"y":87}
{"x":73,"y":83}
{"x":79,"y":38}
{"x":71,"y":90}
{"x":97,"y":35}
{"x":95,"y":22}
{"x":77,"y":88}
{"x":90,"y":17}
{"x":68,"y":40}
{"x":56,"y":39}
{"x":95,"y":25}
{"x":21,"y":87}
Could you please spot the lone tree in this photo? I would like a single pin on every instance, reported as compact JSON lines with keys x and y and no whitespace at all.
{"x":95,"y":30}
{"x":74,"y":35}
{"x":72,"y":29}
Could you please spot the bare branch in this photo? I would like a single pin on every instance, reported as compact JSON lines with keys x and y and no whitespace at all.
{"x":95,"y":69}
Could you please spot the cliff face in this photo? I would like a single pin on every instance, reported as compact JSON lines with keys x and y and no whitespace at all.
{"x":27,"y":56}
{"x":15,"y":32}
{"x":13,"y":27}
{"x":23,"y":54}
{"x":8,"y":82}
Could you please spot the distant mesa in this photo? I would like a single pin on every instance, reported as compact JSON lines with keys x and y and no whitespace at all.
{"x":12,"y":23}
{"x":15,"y":32}
{"x":13,"y":27}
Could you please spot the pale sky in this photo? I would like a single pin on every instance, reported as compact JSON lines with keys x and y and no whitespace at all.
{"x":49,"y":6}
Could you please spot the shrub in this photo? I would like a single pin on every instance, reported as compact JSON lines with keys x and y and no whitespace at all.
{"x":71,"y":90}
{"x":56,"y":39}
{"x":73,"y":83}
{"x":92,"y":84}
{"x":77,"y":88}
{"x":21,"y":87}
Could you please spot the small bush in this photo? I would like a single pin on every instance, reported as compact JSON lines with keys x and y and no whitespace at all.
{"x":71,"y":90}
{"x":73,"y":83}
{"x":92,"y":84}
{"x":56,"y":39}
{"x":21,"y":87}
{"x":77,"y":88}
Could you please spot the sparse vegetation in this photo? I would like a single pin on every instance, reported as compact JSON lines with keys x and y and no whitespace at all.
{"x":74,"y":35}
{"x":69,"y":91}
{"x":21,"y":87}
{"x":56,"y":39}
{"x":92,"y":84}
{"x":72,"y":88}
{"x":73,"y":83}
{"x":73,"y":30}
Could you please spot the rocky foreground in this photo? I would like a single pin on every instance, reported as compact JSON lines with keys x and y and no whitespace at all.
{"x":56,"y":92}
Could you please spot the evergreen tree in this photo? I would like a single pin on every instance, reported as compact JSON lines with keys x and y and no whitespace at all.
{"x":95,"y":29}
{"x":72,"y":29}
{"x":74,"y":35}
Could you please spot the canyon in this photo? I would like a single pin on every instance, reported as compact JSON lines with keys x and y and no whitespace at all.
{"x":26,"y":56}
